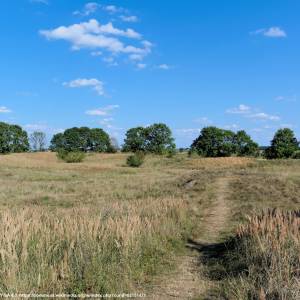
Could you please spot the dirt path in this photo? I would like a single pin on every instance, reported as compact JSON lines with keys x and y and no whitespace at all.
{"x":189,"y":281}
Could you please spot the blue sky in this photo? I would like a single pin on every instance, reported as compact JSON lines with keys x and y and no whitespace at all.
{"x":120,"y":64}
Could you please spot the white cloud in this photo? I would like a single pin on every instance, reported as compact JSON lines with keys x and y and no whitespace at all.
{"x":164,"y":67}
{"x":105,"y":111}
{"x":4,"y":110}
{"x":88,"y":9}
{"x":232,"y":127}
{"x":203,"y":121}
{"x":112,"y":9}
{"x":264,"y":116}
{"x":96,"y":84}
{"x":93,"y":35}
{"x":272,"y":32}
{"x":141,"y":66}
{"x":130,"y":19}
{"x":241,"y":109}
{"x":286,"y":99}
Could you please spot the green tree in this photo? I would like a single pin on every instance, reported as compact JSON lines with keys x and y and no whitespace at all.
{"x":159,"y":139}
{"x":156,"y":138}
{"x":58,"y":142}
{"x":13,"y":139}
{"x":244,"y":145}
{"x":99,"y":141}
{"x":81,"y":139}
{"x":283,"y":145}
{"x":214,"y":142}
{"x":38,"y":141}
{"x":135,"y":140}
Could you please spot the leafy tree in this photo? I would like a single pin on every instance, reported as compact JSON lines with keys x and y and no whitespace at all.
{"x":156,"y":138}
{"x":159,"y":139}
{"x":135,"y":140}
{"x":38,"y":141}
{"x":214,"y":142}
{"x":57,"y":142}
{"x":283,"y":145}
{"x":244,"y":145}
{"x":99,"y":141}
{"x":13,"y":139}
{"x":81,"y":139}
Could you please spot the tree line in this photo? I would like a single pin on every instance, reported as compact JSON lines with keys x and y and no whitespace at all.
{"x":156,"y":138}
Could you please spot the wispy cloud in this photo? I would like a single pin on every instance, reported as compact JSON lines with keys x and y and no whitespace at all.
{"x":46,"y":2}
{"x":94,"y":83}
{"x":203,"y":121}
{"x":4,"y":110}
{"x":241,"y":109}
{"x":88,"y":9}
{"x":164,"y":67}
{"x":104,"y":111}
{"x":272,"y":32}
{"x":129,"y":19}
{"x":248,"y":112}
{"x":264,"y":116}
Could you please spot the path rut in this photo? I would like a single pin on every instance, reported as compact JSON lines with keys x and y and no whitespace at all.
{"x":188,"y":280}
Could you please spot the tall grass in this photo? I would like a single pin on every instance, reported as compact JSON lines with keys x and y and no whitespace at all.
{"x":79,"y":250}
{"x":266,"y":255}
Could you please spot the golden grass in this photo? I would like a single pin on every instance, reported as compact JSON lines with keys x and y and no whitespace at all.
{"x":267,"y":252}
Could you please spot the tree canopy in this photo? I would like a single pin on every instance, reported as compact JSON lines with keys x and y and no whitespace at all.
{"x":156,"y":138}
{"x":283,"y":145}
{"x":216,"y":142}
{"x":13,"y":139}
{"x":82,"y":139}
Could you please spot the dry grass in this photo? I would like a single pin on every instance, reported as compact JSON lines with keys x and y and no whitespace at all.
{"x":97,"y":226}
{"x":267,"y":255}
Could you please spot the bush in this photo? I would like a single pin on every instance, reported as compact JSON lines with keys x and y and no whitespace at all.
{"x":136,"y":160}
{"x":71,"y":157}
{"x":296,"y":155}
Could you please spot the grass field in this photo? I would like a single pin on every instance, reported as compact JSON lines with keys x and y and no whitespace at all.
{"x":163,"y":229}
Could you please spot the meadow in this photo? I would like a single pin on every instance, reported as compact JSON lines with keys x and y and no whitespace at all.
{"x":167,"y":229}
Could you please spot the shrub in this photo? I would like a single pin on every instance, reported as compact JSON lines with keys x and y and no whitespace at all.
{"x":296,"y":155}
{"x":136,"y":160}
{"x":71,"y":157}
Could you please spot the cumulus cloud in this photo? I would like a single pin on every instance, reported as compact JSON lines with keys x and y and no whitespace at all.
{"x":93,"y":35}
{"x":104,"y":111}
{"x":94,"y":83}
{"x":272,"y":32}
{"x":4,"y":110}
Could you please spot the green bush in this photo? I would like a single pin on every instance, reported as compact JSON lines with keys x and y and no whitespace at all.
{"x":71,"y":157}
{"x":296,"y":155}
{"x":136,"y":160}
